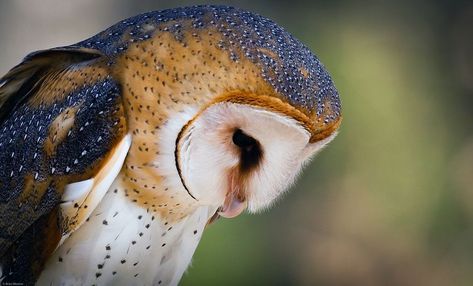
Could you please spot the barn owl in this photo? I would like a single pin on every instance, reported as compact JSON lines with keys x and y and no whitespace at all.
{"x":117,"y":151}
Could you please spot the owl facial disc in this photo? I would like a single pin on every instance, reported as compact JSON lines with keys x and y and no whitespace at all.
{"x":235,"y":156}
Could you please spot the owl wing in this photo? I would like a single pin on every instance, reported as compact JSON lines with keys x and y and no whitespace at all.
{"x":62,"y":142}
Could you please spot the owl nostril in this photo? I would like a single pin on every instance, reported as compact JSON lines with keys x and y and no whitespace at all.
{"x":250,"y":150}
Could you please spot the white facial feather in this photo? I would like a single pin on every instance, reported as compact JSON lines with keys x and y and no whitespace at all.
{"x":208,"y":153}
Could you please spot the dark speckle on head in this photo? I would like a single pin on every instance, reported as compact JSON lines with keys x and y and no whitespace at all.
{"x":285,"y":63}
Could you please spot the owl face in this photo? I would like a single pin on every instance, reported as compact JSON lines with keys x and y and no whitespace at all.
{"x":234,"y":155}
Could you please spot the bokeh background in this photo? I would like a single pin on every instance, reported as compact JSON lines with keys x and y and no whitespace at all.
{"x":390,"y":201}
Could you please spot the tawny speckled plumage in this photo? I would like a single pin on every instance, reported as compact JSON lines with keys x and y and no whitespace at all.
{"x":96,"y":180}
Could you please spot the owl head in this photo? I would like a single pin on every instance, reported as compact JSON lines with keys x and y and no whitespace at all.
{"x":258,"y":105}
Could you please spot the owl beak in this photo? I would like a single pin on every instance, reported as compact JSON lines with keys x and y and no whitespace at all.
{"x":232,"y":207}
{"x":235,"y":199}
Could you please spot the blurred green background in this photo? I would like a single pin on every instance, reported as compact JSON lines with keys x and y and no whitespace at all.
{"x":390,"y":201}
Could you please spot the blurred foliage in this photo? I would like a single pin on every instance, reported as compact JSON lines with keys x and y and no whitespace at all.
{"x":390,"y":201}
